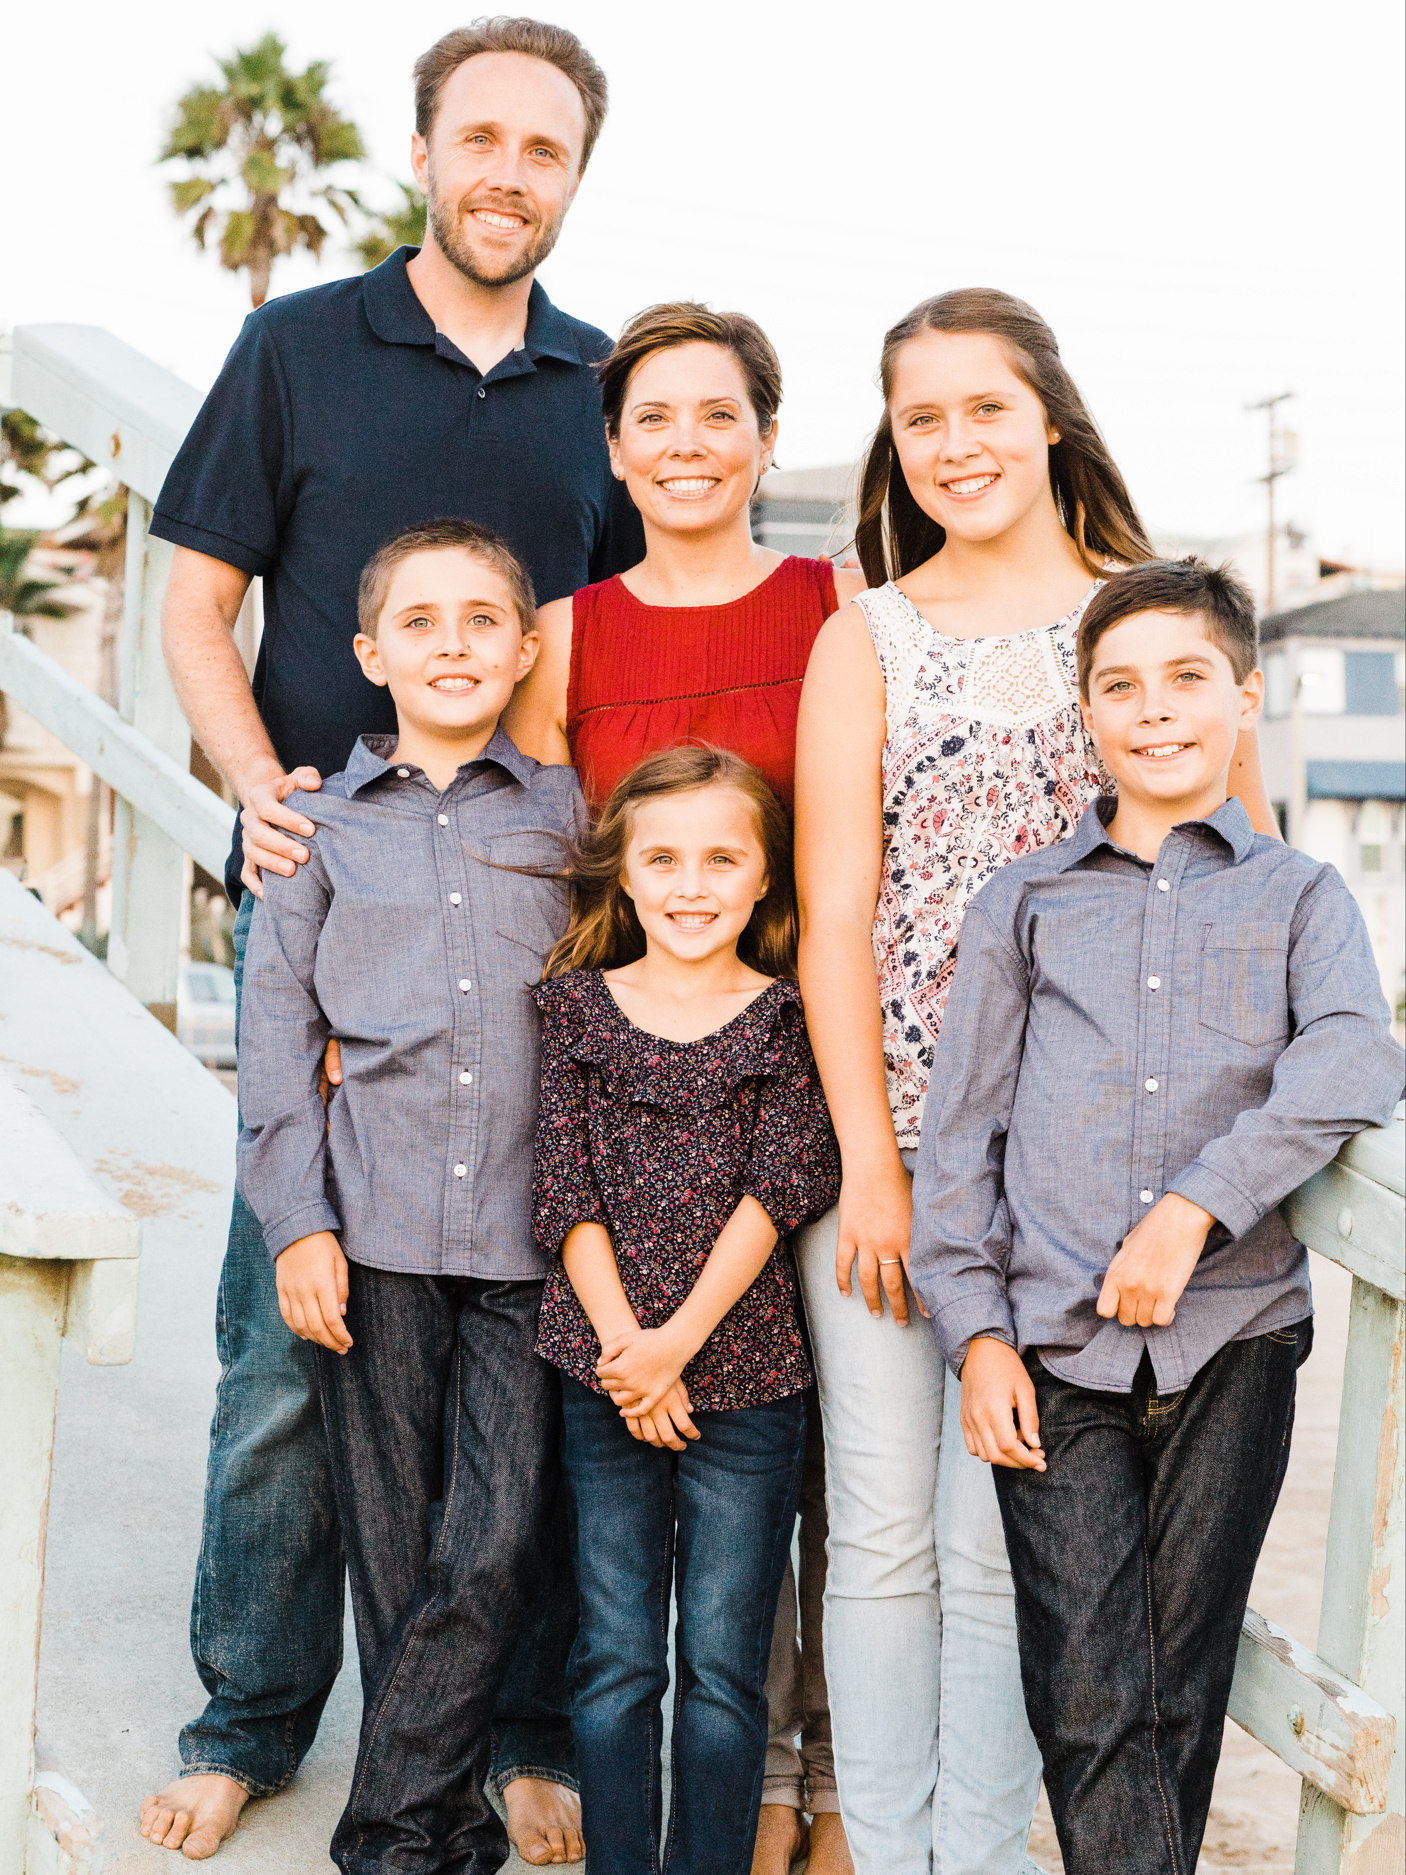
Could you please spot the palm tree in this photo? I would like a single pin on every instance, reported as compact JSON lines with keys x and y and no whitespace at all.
{"x":400,"y":227}
{"x":270,"y":132}
{"x":26,"y":448}
{"x":23,"y":593}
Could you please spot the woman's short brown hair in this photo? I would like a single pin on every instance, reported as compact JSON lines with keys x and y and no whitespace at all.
{"x":429,"y":537}
{"x":502,"y":32}
{"x":686,"y":322}
{"x":605,"y":931}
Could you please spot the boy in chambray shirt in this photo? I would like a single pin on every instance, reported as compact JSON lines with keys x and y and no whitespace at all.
{"x":1156,"y":1031}
{"x":400,"y":1219}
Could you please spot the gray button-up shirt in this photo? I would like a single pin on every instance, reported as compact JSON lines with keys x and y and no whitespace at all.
{"x":410,"y":938}
{"x":1211,"y":1024}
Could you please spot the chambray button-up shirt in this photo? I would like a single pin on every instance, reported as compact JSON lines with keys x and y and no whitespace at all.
{"x":408,"y":936}
{"x":1212,"y":1025}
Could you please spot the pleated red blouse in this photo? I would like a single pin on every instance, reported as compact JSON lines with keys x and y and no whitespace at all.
{"x":647,"y":677}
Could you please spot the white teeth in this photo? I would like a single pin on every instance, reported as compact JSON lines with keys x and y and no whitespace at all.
{"x":690,"y":485}
{"x":1164,"y":748}
{"x":692,"y":920}
{"x":453,"y":683}
{"x":509,"y":222}
{"x":970,"y":487}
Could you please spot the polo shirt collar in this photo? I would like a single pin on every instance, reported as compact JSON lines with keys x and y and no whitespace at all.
{"x":375,"y":756}
{"x":1230,"y":822}
{"x":395,"y":314}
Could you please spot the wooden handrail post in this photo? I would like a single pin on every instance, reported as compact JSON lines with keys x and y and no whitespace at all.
{"x":148,"y":868}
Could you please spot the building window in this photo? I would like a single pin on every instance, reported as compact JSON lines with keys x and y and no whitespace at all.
{"x":1371,"y":858}
{"x":1369,"y":683}
{"x":1322,"y":680}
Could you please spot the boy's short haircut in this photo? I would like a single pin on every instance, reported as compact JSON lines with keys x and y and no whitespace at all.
{"x":430,"y":537}
{"x":1214,"y":594}
{"x":503,"y":32}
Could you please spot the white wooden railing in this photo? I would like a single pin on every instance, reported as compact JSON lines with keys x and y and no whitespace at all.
{"x":1335,"y":1717}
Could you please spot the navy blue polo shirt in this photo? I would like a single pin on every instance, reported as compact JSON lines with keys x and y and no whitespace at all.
{"x":341,"y":417}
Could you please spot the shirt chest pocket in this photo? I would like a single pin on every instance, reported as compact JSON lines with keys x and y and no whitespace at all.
{"x":529,"y":901}
{"x":1243,"y":989}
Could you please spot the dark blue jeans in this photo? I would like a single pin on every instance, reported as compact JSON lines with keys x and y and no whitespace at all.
{"x":266,"y":1615}
{"x":1132,"y":1555}
{"x":715,"y":1523}
{"x":442,"y":1424}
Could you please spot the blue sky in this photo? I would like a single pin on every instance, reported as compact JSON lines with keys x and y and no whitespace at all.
{"x":1204,"y":200}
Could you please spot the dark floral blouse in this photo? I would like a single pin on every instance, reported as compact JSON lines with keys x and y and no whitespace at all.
{"x":659,"y":1141}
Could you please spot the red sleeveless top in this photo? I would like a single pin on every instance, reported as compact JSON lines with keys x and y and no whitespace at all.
{"x":647,"y":677}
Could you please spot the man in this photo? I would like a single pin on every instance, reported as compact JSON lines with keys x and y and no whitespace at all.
{"x":444,"y":382}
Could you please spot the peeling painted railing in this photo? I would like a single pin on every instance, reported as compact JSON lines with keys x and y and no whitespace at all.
{"x":1334,"y":1717}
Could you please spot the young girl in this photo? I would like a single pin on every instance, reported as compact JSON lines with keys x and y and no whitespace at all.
{"x":939,"y":736}
{"x":682,"y":1137}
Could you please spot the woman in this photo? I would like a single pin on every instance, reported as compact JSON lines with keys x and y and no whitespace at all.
{"x":706,"y":640}
{"x":940,"y":736}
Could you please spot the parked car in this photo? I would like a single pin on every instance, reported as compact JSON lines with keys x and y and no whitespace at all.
{"x":205,"y":1013}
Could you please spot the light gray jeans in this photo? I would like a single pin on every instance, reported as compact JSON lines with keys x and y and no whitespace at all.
{"x":937,"y":1770}
{"x":799,"y":1704}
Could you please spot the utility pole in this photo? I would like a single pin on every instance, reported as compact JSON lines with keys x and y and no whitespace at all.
{"x":1283,"y":456}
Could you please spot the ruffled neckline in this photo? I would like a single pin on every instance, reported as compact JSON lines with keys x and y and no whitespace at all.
{"x":764,"y":1039}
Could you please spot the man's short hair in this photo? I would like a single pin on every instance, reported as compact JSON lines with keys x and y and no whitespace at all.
{"x":686,"y":322}
{"x":429,"y":537}
{"x":503,"y":32}
{"x":1214,"y":594}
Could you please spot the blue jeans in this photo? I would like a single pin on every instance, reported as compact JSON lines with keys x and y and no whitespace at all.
{"x":714,"y":1522}
{"x":1132,"y":1555}
{"x":442,"y":1424}
{"x":266,"y":1615}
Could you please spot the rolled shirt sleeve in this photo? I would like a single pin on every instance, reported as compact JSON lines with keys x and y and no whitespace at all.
{"x":281,"y":1159}
{"x":961,"y":1240}
{"x":1341,"y":1072}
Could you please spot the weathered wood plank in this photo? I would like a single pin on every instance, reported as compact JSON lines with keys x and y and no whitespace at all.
{"x":50,"y":1205}
{"x":1322,"y":1726}
{"x":1351,"y":1218}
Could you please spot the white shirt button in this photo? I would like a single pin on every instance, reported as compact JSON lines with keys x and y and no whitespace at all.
{"x":482,"y":392}
{"x":1153,"y":983}
{"x":1146,"y":1196}
{"x":461,"y":1171}
{"x":1151,"y":1086}
{"x":1162,"y":886}
{"x":454,"y":899}
{"x":443,"y":819}
{"x":464,"y":1079}
{"x":464,"y":984}
{"x":404,"y":773}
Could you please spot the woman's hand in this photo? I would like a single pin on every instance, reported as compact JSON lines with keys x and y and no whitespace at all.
{"x":670,"y":1419}
{"x":637,"y":1370}
{"x":876,"y":1222}
{"x":312,"y":1290}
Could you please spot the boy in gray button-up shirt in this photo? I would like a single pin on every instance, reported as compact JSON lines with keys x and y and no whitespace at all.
{"x":1156,"y":1032}
{"x":400,"y":1218}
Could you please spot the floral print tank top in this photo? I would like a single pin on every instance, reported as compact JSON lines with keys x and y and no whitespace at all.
{"x":985,"y":758}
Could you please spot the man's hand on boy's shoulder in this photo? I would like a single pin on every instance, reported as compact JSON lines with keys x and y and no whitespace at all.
{"x":1000,"y":1419}
{"x":312,"y":1290}
{"x":260,"y":819}
{"x":1145,"y":1280}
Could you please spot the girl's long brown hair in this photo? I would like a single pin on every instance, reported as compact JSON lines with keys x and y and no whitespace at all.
{"x":894,"y":534}
{"x":605,"y":932}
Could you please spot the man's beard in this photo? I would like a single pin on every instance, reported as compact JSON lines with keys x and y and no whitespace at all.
{"x":447,"y":226}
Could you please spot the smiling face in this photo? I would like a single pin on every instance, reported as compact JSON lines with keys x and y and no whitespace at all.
{"x":1165,"y":708}
{"x":971,"y":435}
{"x":501,"y":165}
{"x":695,"y":870}
{"x":449,"y":645}
{"x":690,"y":447}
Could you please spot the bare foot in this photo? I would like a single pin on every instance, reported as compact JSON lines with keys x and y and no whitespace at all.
{"x":194,"y":1814}
{"x":781,"y":1837}
{"x":829,"y":1846}
{"x":544,"y":1821}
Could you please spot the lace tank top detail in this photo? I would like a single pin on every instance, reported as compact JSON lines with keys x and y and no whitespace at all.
{"x":985,"y":758}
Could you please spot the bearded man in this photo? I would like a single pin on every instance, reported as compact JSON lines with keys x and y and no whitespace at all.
{"x":443,"y":383}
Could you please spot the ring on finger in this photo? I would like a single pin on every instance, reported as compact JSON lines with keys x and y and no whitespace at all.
{"x":885,"y":1261}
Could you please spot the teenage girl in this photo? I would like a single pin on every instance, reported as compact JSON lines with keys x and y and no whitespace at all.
{"x":939,"y":736}
{"x":682,"y":1137}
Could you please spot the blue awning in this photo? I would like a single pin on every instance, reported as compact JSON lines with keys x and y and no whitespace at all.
{"x":1357,"y":781}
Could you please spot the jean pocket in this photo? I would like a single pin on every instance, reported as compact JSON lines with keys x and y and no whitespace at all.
{"x":1244,"y":989}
